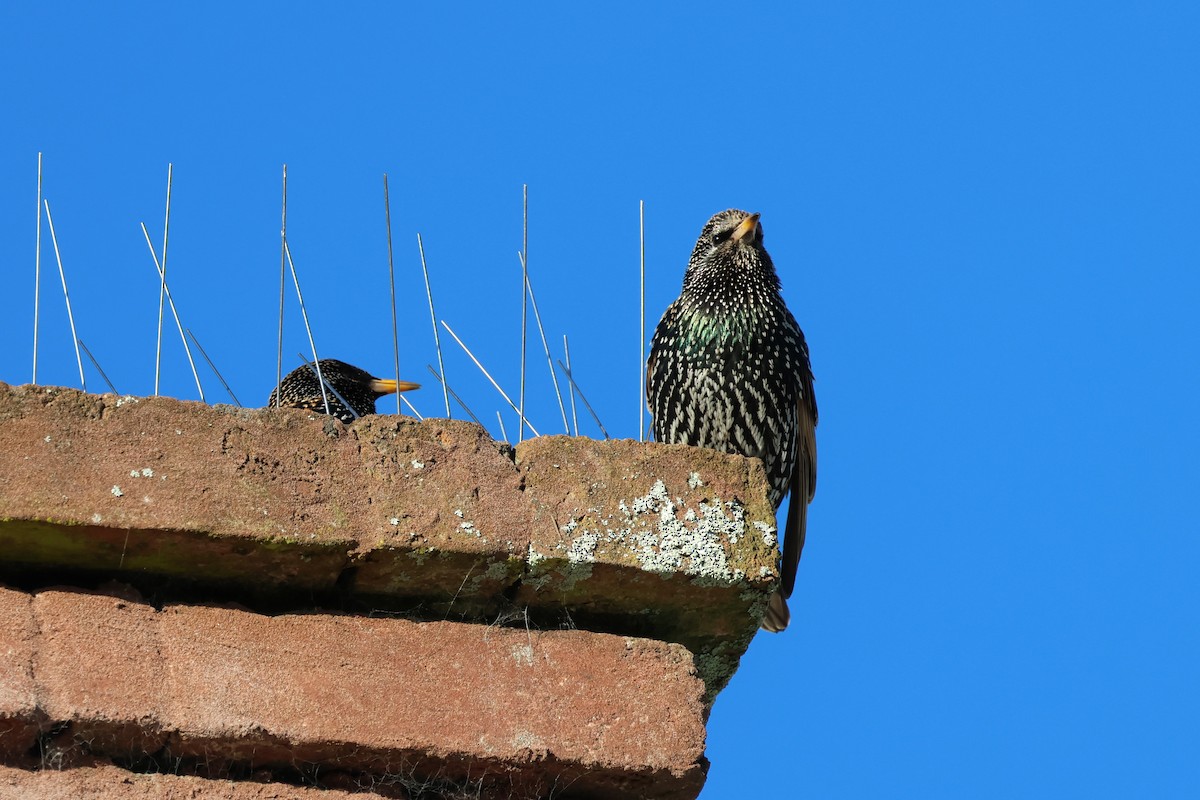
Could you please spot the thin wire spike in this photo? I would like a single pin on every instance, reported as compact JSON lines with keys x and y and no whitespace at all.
{"x":489,"y":377}
{"x":584,"y":399}
{"x":437,"y":339}
{"x":567,"y":355}
{"x":66,"y":297}
{"x":642,"y":339}
{"x":287,"y":251}
{"x":524,"y":300}
{"x":282,"y":287}
{"x":500,"y":419}
{"x":545,"y":346}
{"x":96,"y":364}
{"x":387,"y":210}
{"x":213,"y":367}
{"x":37,"y":270}
{"x":162,"y":290}
{"x":316,"y":370}
{"x":412,"y":408}
{"x":178,"y":324}
{"x":454,"y":394}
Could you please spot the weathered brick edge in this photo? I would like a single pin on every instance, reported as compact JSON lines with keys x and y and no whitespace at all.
{"x":660,"y":541}
{"x":516,"y":713}
{"x":113,"y":783}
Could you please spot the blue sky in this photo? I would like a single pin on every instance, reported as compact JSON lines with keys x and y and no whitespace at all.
{"x":985,"y":219}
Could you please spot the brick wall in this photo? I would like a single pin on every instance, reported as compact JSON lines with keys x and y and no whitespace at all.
{"x":206,"y":601}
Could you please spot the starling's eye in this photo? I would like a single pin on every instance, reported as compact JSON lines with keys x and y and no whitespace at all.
{"x":722,"y":236}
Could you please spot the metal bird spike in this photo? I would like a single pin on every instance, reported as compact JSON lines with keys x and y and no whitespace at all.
{"x":96,"y":364}
{"x":524,"y":301}
{"x":37,"y":270}
{"x":213,"y":367}
{"x":315,"y":368}
{"x":162,"y":291}
{"x":387,"y":211}
{"x":437,"y":339}
{"x":545,"y":346}
{"x":304,"y":314}
{"x":413,"y":409}
{"x":641,"y":367}
{"x":490,"y":378}
{"x":178,"y":324}
{"x":567,"y":356}
{"x":454,"y":394}
{"x":66,"y":297}
{"x":282,"y":288}
{"x":584,"y":399}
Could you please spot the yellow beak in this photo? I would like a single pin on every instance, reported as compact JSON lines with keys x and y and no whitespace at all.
{"x":749,"y":227}
{"x":385,"y":386}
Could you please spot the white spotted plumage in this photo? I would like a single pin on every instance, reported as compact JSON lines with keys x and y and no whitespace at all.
{"x":729,"y":370}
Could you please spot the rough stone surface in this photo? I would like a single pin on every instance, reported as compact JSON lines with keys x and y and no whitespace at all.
{"x":676,"y":539}
{"x":462,"y":703}
{"x":98,"y":667}
{"x":664,"y":541}
{"x":20,"y":718}
{"x":451,"y":521}
{"x":260,"y":498}
{"x":107,"y":782}
{"x":289,"y":511}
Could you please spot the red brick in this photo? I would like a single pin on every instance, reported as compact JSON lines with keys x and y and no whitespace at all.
{"x":264,"y":503}
{"x":98,"y":667}
{"x":258,"y":498}
{"x":113,"y":783}
{"x":19,"y":715}
{"x":465,"y":702}
{"x":510,"y":710}
{"x":679,"y":540}
{"x":278,"y":508}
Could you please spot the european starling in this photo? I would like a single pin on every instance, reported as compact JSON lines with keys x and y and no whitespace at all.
{"x":301,"y":389}
{"x":729,"y":370}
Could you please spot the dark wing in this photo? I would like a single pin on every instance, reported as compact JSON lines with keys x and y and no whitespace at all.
{"x":663,"y":331}
{"x":649,"y":387}
{"x":311,"y":404}
{"x":336,"y":409}
{"x":803,"y":484}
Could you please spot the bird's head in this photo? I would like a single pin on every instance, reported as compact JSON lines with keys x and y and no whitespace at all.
{"x":726,"y":232}
{"x":731,"y":244}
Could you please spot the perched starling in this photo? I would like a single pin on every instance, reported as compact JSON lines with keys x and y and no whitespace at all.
{"x":729,"y":370}
{"x":301,"y":389}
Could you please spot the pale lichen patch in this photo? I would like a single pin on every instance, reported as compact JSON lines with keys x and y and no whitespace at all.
{"x":583,"y":548}
{"x":662,"y":533}
{"x":768,"y":533}
{"x":525,"y":740}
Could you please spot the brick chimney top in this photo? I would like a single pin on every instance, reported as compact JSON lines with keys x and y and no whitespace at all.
{"x":272,"y":595}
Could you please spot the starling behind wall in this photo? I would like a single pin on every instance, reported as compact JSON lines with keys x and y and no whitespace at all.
{"x":301,"y":389}
{"x":729,"y":370}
